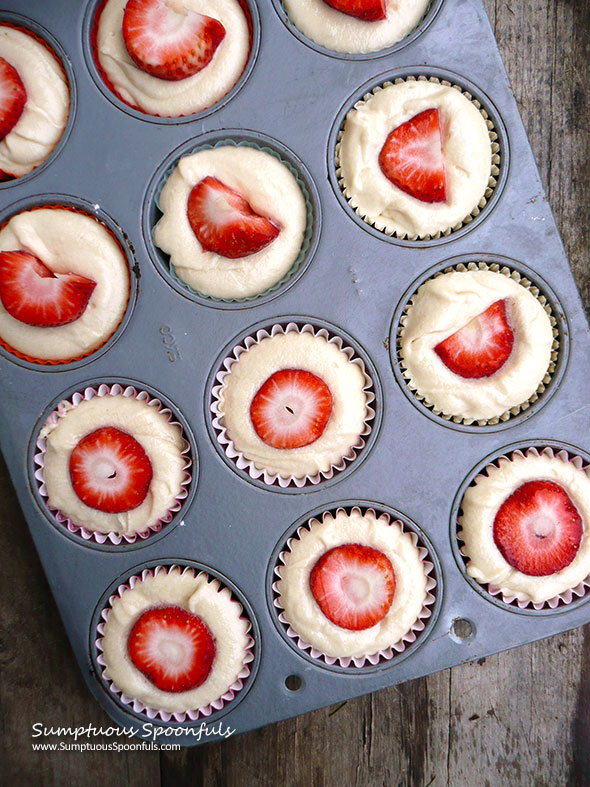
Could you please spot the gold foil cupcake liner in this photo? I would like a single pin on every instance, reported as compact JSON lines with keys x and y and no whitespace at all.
{"x":379,"y":656}
{"x":495,"y":267}
{"x":154,"y":713}
{"x":78,"y":529}
{"x":496,"y":163}
{"x":238,"y":458}
{"x":562,"y":599}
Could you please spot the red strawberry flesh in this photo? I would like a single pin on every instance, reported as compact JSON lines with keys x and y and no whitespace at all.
{"x":353,"y":585}
{"x":412,"y":158}
{"x":481,"y":347}
{"x":538,"y":528}
{"x":167,"y":41}
{"x":172,"y":647}
{"x":291,"y":409}
{"x":32,"y":293}
{"x":110,"y":471}
{"x":367,"y":10}
{"x":224,"y":221}
{"x":13,"y":97}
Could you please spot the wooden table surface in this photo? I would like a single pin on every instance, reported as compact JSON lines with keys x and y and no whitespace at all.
{"x":519,"y":718}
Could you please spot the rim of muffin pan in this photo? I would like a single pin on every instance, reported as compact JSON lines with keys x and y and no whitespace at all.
{"x":94,"y":211}
{"x":113,"y":699}
{"x":409,"y":526}
{"x":45,"y":37}
{"x":559,"y":352}
{"x":151,"y":213}
{"x":432,"y":10}
{"x":376,"y":404}
{"x":101,"y":80}
{"x":498,"y":135}
{"x":457,"y":544}
{"x":141,"y":540}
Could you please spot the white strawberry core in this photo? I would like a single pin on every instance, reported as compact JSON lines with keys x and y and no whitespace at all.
{"x":105,"y":470}
{"x":170,"y":23}
{"x":218,"y":210}
{"x":170,"y":649}
{"x":288,"y":410}
{"x":358,"y":589}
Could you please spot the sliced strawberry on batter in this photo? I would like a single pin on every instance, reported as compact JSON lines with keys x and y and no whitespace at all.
{"x":110,"y":471}
{"x":35,"y":295}
{"x":291,"y":408}
{"x":172,"y":647}
{"x":224,"y":221}
{"x":367,"y":10}
{"x":538,"y":528}
{"x":480,"y":348}
{"x":353,"y":585}
{"x":168,"y":41}
{"x":412,"y":158}
{"x":13,"y":97}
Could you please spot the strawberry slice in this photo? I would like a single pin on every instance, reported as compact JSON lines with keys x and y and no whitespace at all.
{"x":412,"y":158}
{"x":480,"y":348}
{"x":35,"y":295}
{"x":172,"y":647}
{"x":367,"y":10}
{"x":291,"y":409}
{"x":168,"y":41}
{"x":224,"y":222}
{"x":13,"y":97}
{"x":538,"y":528}
{"x":110,"y":471}
{"x":353,"y":585}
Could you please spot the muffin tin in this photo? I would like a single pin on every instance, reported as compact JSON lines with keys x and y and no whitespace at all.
{"x":356,"y":284}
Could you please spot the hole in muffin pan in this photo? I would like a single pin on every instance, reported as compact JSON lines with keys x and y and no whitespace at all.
{"x":113,"y":699}
{"x":498,"y":136}
{"x":151,"y":213}
{"x":102,"y":82}
{"x":71,"y":530}
{"x":462,"y":560}
{"x":560,"y":351}
{"x":381,"y":663}
{"x":94,"y":211}
{"x":293,"y":683}
{"x":462,"y":630}
{"x":29,"y":26}
{"x":430,"y":15}
{"x":250,"y":474}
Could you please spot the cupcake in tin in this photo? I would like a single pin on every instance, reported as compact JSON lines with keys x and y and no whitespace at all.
{"x":35,"y":101}
{"x":524,"y":524}
{"x":354,"y":587}
{"x":417,"y":158}
{"x":175,"y":644}
{"x":234,"y":221}
{"x":477,"y":344}
{"x":172,"y":58}
{"x":64,"y":284}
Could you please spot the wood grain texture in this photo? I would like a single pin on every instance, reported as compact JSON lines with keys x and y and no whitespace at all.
{"x":519,"y":718}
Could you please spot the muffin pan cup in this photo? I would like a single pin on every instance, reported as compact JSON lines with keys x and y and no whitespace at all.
{"x":354,"y":282}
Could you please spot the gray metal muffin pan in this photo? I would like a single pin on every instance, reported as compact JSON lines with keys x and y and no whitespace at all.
{"x":414,"y":464}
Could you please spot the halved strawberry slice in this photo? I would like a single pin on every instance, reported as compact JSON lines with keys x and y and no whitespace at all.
{"x":110,"y":470}
{"x":35,"y":295}
{"x":353,"y":585}
{"x":167,"y":41}
{"x":412,"y":158}
{"x":367,"y":10}
{"x":13,"y":97}
{"x":172,"y":647}
{"x":538,"y":529}
{"x":224,"y":222}
{"x":291,"y":408}
{"x":480,"y":348}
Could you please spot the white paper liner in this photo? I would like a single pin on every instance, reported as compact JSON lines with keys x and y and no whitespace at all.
{"x":154,"y":713}
{"x":39,"y":459}
{"x":245,"y":464}
{"x":562,"y":598}
{"x":382,"y":655}
{"x":512,"y":411}
{"x":494,"y":173}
